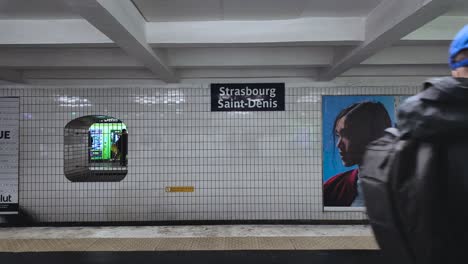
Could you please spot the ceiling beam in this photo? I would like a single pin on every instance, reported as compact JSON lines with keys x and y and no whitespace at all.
{"x":11,"y":76}
{"x":66,"y":57}
{"x":27,"y":58}
{"x":236,"y":72}
{"x":311,"y":31}
{"x":251,"y":56}
{"x":318,"y":31}
{"x":398,"y":70}
{"x":390,"y":21}
{"x":247,"y":72}
{"x":409,"y":55}
{"x":88,"y":74}
{"x":121,"y":21}
{"x":209,"y":72}
{"x":50,"y":32}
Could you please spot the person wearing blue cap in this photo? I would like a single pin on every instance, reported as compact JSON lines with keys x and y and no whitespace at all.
{"x":426,"y":186}
{"x":458,"y":52}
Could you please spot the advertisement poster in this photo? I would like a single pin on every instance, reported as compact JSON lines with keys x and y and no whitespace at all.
{"x":349,"y":124}
{"x":9,"y":137}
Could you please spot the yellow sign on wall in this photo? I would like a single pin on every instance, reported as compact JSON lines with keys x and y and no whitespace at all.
{"x":180,"y":189}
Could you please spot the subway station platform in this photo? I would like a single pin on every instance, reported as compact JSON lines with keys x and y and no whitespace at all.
{"x":194,"y":238}
{"x":191,"y":244}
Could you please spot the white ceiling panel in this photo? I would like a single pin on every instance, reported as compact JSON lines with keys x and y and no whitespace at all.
{"x":35,"y":9}
{"x":212,"y":10}
{"x":339,"y":8}
{"x":262,"y":9}
{"x":179,"y":10}
{"x":460,"y":8}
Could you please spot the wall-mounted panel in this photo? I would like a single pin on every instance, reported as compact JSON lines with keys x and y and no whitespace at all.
{"x":9,"y":146}
{"x":237,"y":165}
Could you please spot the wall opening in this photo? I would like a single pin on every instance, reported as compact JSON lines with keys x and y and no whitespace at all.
{"x":95,"y":149}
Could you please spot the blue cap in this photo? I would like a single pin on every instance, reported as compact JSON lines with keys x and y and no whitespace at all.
{"x":459,"y":43}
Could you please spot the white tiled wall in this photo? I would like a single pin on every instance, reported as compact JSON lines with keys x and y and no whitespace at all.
{"x":244,"y":166}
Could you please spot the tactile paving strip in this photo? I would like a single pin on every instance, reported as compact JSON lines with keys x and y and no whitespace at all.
{"x":190,"y":244}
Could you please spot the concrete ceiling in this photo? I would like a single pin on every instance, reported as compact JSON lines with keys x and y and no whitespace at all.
{"x":458,"y":8}
{"x":212,"y":10}
{"x":185,"y":39}
{"x":35,"y":9}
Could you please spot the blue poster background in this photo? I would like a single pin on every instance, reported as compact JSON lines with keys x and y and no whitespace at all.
{"x":331,"y":106}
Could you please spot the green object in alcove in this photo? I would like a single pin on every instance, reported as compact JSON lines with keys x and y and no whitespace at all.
{"x":103,"y":136}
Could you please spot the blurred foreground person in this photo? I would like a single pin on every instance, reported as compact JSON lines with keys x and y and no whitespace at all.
{"x":415,"y":179}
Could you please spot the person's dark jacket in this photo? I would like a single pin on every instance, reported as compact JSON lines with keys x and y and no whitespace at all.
{"x":439,"y":116}
{"x":439,"y":111}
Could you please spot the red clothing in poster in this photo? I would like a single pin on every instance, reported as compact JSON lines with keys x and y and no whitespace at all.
{"x":341,"y":189}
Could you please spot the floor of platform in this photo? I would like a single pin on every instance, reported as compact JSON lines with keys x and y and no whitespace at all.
{"x":187,"y":238}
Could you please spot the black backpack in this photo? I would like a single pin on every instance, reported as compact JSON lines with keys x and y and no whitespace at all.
{"x":403,"y":192}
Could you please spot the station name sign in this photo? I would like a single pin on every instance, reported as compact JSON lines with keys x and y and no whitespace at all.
{"x":227,"y":97}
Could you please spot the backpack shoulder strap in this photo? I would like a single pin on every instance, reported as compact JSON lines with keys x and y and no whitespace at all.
{"x":393,"y":131}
